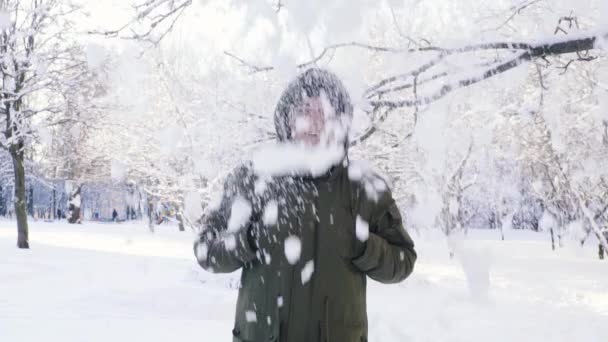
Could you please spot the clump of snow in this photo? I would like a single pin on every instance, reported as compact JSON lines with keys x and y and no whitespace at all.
{"x":428,"y":205}
{"x":239,"y":214}
{"x":307,"y":271}
{"x":373,"y":182}
{"x":507,"y":222}
{"x":45,"y":135}
{"x":251,"y":317}
{"x":336,"y":130}
{"x":10,"y":84}
{"x":475,"y":264}
{"x":328,"y":110}
{"x":355,"y":84}
{"x":230,"y":242}
{"x":431,"y":135}
{"x":355,"y":171}
{"x":302,"y":124}
{"x":577,"y":230}
{"x":5,"y":20}
{"x":267,"y":257}
{"x":169,"y":139}
{"x":76,"y":201}
{"x":453,"y":206}
{"x":379,"y":185}
{"x":96,"y":55}
{"x":602,"y":42}
{"x":537,"y":185}
{"x":547,"y":221}
{"x":202,"y":251}
{"x":362,"y":229}
{"x":132,"y":196}
{"x":296,"y":159}
{"x":216,"y":202}
{"x":193,"y":208}
{"x":601,"y":112}
{"x":118,"y":171}
{"x":455,"y":242}
{"x":285,"y":65}
{"x":271,"y":213}
{"x":396,"y":4}
{"x":293,"y":248}
{"x":260,"y":186}
{"x":41,"y":67}
{"x":305,"y":15}
{"x":280,"y":301}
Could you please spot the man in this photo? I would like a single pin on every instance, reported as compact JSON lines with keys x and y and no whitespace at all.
{"x":307,"y":227}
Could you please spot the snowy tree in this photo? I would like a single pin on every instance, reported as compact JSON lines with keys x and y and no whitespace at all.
{"x":69,"y":149}
{"x":37,"y":57}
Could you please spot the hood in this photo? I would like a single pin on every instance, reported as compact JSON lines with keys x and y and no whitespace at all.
{"x":312,"y":83}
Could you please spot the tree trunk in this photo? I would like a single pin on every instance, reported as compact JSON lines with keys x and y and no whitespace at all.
{"x":151,"y":216}
{"x":2,"y":203}
{"x":54,"y":212}
{"x":30,"y":201}
{"x":16,"y":152}
{"x":180,"y":219}
{"x":552,"y":239}
{"x":74,"y":207}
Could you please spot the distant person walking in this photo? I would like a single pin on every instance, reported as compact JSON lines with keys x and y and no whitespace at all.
{"x":114,"y":215}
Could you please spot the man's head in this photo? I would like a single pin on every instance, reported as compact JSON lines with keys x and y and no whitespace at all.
{"x":315,"y":108}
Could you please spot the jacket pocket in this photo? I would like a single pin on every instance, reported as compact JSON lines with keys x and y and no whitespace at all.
{"x":252,"y":307}
{"x":334,"y":327}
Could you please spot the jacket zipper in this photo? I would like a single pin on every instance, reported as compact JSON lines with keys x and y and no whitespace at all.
{"x":317,"y":265}
{"x":326,"y":320}
{"x":290,"y":305}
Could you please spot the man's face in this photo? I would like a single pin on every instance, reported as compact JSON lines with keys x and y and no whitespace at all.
{"x":308,"y":123}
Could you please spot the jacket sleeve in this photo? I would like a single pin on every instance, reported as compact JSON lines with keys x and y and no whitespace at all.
{"x":217,"y":248}
{"x":389,"y":254}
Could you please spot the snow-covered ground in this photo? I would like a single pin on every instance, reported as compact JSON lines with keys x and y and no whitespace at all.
{"x":118,"y":282}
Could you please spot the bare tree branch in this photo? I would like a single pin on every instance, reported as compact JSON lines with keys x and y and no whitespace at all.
{"x":517,"y":11}
{"x":372,"y":128}
{"x":153,"y":20}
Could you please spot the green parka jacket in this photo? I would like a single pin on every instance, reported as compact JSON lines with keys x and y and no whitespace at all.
{"x":298,"y":243}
